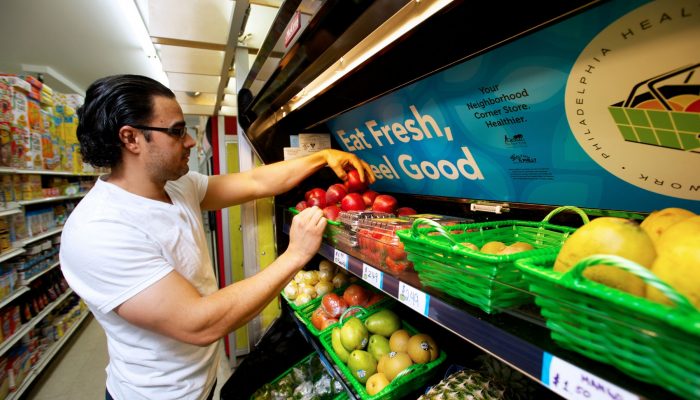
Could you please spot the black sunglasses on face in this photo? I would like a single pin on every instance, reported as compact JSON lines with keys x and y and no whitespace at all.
{"x":177,"y":132}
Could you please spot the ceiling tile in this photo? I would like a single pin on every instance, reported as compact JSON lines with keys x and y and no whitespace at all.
{"x":197,"y":109}
{"x":259,"y":23}
{"x":197,"y":20}
{"x":189,"y":60}
{"x":226,"y":110}
{"x":204,"y":99}
{"x":193,"y":82}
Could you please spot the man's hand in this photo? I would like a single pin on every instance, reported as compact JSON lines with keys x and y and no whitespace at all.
{"x":341,"y":161}
{"x":306,"y":233}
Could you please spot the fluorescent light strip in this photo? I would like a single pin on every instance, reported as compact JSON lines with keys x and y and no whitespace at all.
{"x":403,"y":21}
{"x":132,"y":14}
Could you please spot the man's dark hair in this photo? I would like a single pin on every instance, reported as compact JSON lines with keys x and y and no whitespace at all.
{"x":111,"y":103}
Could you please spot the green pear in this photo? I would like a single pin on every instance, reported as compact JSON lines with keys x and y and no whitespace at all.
{"x":378,"y":346}
{"x":353,"y":334}
{"x":362,"y":365}
{"x":383,"y":322}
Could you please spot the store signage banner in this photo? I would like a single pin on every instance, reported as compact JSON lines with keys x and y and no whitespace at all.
{"x":601,"y":110}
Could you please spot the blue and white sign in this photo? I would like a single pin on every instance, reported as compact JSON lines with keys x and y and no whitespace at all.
{"x":601,"y":110}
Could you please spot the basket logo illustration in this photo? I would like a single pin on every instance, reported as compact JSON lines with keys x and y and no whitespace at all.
{"x":632,"y":98}
{"x":667,"y":114}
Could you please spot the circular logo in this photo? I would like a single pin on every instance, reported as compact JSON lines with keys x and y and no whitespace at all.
{"x":633,"y":98}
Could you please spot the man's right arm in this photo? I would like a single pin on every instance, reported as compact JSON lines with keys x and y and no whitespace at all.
{"x":174,"y":308}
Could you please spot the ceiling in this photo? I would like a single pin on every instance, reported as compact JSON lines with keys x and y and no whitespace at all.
{"x":74,"y":42}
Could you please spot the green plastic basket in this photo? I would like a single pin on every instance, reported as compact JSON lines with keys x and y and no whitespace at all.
{"x":490,"y":282}
{"x":652,"y":342}
{"x":415,"y":377}
{"x":306,"y":360}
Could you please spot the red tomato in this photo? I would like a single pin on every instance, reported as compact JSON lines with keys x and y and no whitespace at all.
{"x":319,"y":317}
{"x":356,"y":295}
{"x":333,"y":305}
{"x":396,"y":251}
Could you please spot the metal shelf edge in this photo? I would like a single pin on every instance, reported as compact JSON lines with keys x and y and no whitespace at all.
{"x":46,"y":359}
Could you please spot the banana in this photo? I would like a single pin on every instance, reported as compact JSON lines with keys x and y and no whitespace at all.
{"x":338,"y":346}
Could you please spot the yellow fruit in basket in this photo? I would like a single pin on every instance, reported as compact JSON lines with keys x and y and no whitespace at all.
{"x":291,"y":291}
{"x":395,"y":364}
{"x":376,"y":383}
{"x":422,"y":348}
{"x":325,"y":275}
{"x":299,"y":276}
{"x":493,"y":247}
{"x":326,"y":265}
{"x":656,"y":223}
{"x":323,"y":287}
{"x":679,"y":235}
{"x":609,"y":235}
{"x":340,"y":279}
{"x":311,"y":277}
{"x":302,"y":299}
{"x":678,"y":263}
{"x":471,"y":246}
{"x":516,"y":247}
{"x":681,"y":271}
{"x":399,"y":340}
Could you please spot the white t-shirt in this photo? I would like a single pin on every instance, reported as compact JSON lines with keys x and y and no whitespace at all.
{"x":116,"y":244}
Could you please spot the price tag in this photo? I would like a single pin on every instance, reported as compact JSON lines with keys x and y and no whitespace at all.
{"x":572,"y":382}
{"x":414,"y":298}
{"x":372,"y":275}
{"x":340,"y":258}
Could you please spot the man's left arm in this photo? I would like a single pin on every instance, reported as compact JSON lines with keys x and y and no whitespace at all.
{"x":273,"y":179}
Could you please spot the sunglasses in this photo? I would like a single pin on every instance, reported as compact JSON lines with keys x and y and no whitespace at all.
{"x":176,"y":132}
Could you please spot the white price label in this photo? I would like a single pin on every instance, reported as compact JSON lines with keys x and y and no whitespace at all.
{"x":372,"y":275}
{"x":340,"y":258}
{"x":572,"y":382}
{"x":414,"y":298}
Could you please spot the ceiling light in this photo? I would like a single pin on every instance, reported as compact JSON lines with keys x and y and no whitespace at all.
{"x":194,"y":94}
{"x":403,"y":21}
{"x":131,"y":13}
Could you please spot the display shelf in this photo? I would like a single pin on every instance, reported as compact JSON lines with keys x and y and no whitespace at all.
{"x":20,"y":290}
{"x":56,"y":264}
{"x":10,"y":209}
{"x":520,"y":340}
{"x":46,"y":358}
{"x":40,"y":236}
{"x":6,"y":170}
{"x":50,"y":199}
{"x":14,"y":252}
{"x":9,"y":342}
{"x":325,"y":360}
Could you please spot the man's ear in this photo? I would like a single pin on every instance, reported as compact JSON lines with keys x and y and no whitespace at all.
{"x":129,"y":138}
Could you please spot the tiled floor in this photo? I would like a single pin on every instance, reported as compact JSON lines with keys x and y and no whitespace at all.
{"x":79,"y":372}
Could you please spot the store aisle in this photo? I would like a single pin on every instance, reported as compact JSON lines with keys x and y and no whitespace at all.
{"x":79,"y":373}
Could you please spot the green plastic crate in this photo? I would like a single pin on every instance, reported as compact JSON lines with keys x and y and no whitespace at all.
{"x":652,"y":342}
{"x":306,"y":360}
{"x":415,"y":377}
{"x":490,"y":282}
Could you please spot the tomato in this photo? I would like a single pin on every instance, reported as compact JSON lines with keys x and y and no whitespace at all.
{"x":319,"y":317}
{"x":333,"y":305}
{"x":396,"y":251}
{"x":355,"y":295}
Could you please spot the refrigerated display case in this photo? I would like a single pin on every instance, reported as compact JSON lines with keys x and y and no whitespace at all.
{"x":495,"y":114}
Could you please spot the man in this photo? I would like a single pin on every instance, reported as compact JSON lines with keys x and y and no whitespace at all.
{"x":134,"y":248}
